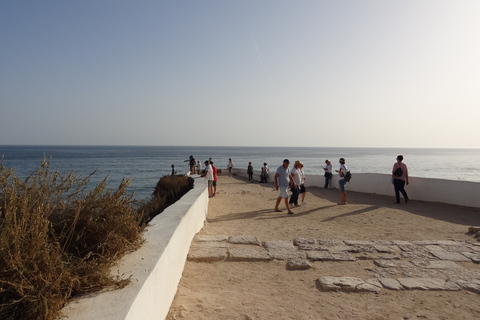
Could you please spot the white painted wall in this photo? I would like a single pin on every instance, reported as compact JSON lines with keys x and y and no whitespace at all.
{"x":461,"y":193}
{"x":155,"y":269}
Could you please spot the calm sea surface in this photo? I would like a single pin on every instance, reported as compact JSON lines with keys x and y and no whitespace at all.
{"x":146,"y":165}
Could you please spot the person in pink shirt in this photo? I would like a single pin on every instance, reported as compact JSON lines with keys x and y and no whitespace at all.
{"x":215,"y":178}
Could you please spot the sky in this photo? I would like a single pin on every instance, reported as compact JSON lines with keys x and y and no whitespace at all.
{"x":369,"y":73}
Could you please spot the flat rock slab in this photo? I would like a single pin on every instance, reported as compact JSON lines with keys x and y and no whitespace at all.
{"x":329,"y":256}
{"x":391,"y":284}
{"x":211,"y":238}
{"x":210,"y":244}
{"x":401,"y":243}
{"x":306,"y":244}
{"x":298,"y":264}
{"x":342,"y":256}
{"x":319,"y":256}
{"x":330,"y":242}
{"x":386,"y":248}
{"x":207,"y":254}
{"x":250,"y":240}
{"x":428,"y":284}
{"x":474,"y":256}
{"x":449,"y":256}
{"x":441,"y":264}
{"x":248,"y":253}
{"x":342,"y":248}
{"x":282,"y":250}
{"x":472,"y":285}
{"x":346,"y":284}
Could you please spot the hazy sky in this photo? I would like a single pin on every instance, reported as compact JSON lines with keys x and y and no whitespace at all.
{"x":241,"y":73}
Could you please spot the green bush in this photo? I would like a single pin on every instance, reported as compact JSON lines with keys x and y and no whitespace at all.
{"x":59,"y":238}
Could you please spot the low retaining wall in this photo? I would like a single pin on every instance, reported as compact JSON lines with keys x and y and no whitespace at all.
{"x":463,"y":193}
{"x":155,"y":269}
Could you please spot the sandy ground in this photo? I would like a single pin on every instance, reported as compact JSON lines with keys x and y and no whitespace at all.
{"x":267,"y":290}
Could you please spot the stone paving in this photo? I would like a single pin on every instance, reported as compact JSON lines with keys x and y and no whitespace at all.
{"x":396,"y":265}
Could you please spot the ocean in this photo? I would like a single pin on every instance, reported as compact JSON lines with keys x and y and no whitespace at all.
{"x":145,"y":165}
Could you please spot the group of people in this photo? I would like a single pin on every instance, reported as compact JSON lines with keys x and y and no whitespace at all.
{"x":211,"y":175}
{"x":294,"y":179}
{"x":263,"y":175}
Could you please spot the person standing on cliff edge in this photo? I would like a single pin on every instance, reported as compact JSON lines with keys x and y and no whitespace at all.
{"x":399,"y":178}
{"x":328,"y":173}
{"x":230,"y":166}
{"x":191,"y":163}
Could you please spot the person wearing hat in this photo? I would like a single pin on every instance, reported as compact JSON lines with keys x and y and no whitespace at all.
{"x":295,"y":187}
{"x":283,"y":178}
{"x":341,"y":180}
{"x":400,"y":177}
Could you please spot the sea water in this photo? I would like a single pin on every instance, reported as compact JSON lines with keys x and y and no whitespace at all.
{"x":145,"y":165}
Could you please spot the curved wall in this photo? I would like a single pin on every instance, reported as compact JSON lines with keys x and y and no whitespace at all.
{"x":155,"y":268}
{"x":463,"y":193}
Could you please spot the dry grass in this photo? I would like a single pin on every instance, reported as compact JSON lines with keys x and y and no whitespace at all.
{"x":168,"y":190}
{"x":59,"y":237}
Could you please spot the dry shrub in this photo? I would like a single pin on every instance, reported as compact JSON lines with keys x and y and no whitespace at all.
{"x":59,"y":238}
{"x":168,"y":190}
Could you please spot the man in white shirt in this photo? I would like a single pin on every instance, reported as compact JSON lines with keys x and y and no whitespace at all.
{"x":295,"y":187}
{"x":209,"y":176}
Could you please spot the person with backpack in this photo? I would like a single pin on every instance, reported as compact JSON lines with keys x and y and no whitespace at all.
{"x":399,"y":178}
{"x":342,"y":172}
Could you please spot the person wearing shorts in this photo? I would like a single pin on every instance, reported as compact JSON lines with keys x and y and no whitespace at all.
{"x":283,"y":178}
{"x":209,"y":176}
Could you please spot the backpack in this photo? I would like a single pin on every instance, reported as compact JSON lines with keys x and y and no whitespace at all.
{"x":348,"y":176}
{"x":398,"y":172}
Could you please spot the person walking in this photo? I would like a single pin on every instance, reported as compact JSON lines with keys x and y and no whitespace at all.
{"x":230,"y":166}
{"x":250,"y":172}
{"x":295,"y":184}
{"x":399,"y":178}
{"x":341,"y":181}
{"x":174,"y":171}
{"x":283,"y":177}
{"x":328,"y":173}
